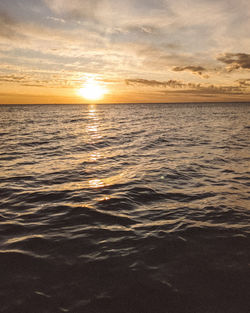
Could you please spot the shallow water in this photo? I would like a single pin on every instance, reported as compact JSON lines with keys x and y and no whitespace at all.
{"x":125,"y":208}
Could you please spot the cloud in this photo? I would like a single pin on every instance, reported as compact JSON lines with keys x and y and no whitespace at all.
{"x":74,"y":9}
{"x":36,"y":80}
{"x":171,"y":83}
{"x":188,"y":87}
{"x":213,"y":89}
{"x":244,"y":83}
{"x":11,"y":78}
{"x":55,"y":19}
{"x":235,"y":60}
{"x":191,"y":68}
{"x":141,"y":29}
{"x":116,"y":10}
{"x":154,"y":83}
{"x":7,"y":25}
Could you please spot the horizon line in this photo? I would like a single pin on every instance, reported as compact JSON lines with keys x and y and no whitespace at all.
{"x":115,"y":103}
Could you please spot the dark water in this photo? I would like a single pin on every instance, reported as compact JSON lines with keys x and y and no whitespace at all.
{"x":125,"y":208}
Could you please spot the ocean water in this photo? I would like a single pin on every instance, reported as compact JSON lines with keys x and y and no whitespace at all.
{"x":137,"y":208}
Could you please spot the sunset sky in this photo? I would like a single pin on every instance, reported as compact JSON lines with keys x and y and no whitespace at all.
{"x":135,"y":50}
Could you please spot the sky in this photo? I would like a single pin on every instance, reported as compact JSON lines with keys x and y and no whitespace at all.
{"x":135,"y":50}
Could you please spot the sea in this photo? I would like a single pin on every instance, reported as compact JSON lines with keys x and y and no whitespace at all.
{"x":125,"y":208}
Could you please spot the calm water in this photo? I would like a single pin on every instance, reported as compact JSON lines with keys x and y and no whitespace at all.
{"x":125,"y":208}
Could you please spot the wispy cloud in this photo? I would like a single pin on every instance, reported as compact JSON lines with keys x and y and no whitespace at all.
{"x":7,"y":25}
{"x":56,"y":19}
{"x":74,"y":9}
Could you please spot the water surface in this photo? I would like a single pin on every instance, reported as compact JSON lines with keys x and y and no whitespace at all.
{"x":140,"y":208}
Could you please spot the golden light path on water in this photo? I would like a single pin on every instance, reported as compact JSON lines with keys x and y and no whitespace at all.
{"x":94,"y":132}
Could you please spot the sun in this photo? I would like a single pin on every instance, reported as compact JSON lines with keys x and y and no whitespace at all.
{"x":92,"y":90}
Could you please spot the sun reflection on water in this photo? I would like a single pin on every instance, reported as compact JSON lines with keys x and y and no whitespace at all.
{"x":94,"y":156}
{"x":92,"y":128}
{"x":96,"y":183}
{"x":107,"y":181}
{"x":97,"y":155}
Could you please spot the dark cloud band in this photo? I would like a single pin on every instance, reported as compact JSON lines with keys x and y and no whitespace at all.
{"x":235,"y":60}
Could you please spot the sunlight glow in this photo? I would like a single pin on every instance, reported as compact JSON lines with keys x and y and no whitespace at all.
{"x":92,"y":90}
